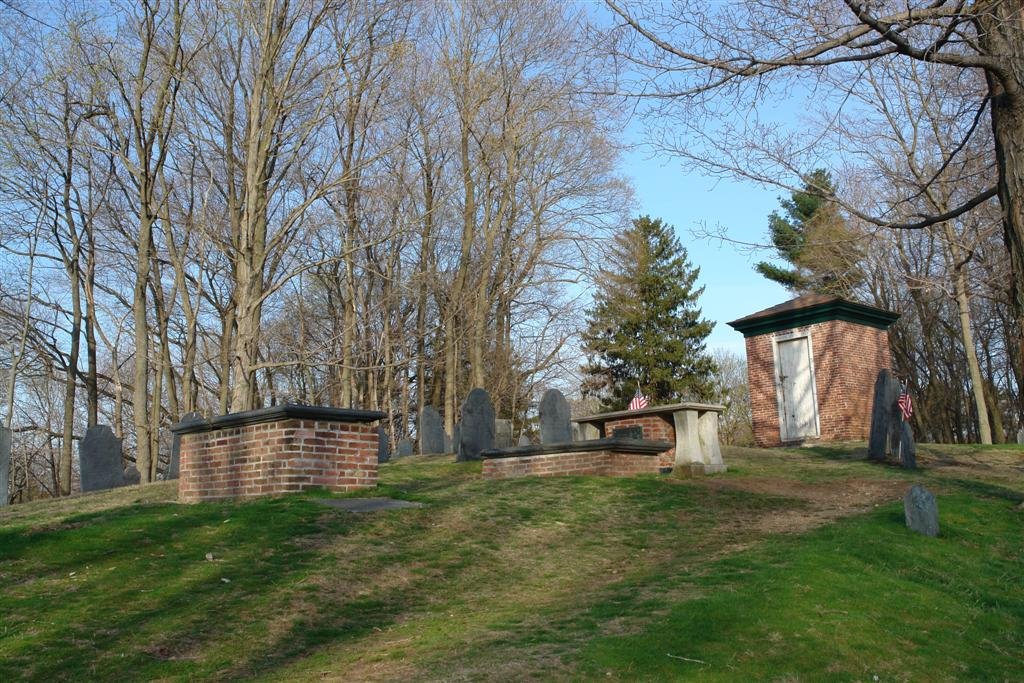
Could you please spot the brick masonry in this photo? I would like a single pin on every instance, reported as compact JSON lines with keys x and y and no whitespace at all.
{"x":607,"y":463}
{"x":847,"y":358}
{"x":281,"y":455}
{"x":656,"y":428}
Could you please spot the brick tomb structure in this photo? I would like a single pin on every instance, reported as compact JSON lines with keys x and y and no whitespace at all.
{"x":681,"y":438}
{"x":811,"y":368}
{"x":277,"y":450}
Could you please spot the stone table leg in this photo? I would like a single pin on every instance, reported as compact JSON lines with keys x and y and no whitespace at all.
{"x":689,"y":459}
{"x":711,"y":453}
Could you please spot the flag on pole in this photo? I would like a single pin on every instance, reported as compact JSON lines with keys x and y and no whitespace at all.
{"x":639,"y":401}
{"x":905,"y":405}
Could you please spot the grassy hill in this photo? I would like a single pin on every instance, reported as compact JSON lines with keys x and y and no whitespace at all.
{"x":795,"y":565}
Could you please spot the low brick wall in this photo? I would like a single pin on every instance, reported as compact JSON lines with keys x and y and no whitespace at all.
{"x":605,"y":463}
{"x":277,"y":450}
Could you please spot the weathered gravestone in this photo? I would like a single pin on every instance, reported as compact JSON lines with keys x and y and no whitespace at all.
{"x":405,"y":448}
{"x":383,"y":451}
{"x":99,"y":459}
{"x":555,"y":425}
{"x":908,"y":450}
{"x":5,"y":465}
{"x":132,"y":476}
{"x":524,"y":440}
{"x":921,"y":511}
{"x":884,"y":416}
{"x":174,"y":466}
{"x":431,"y":431}
{"x":476,"y":432}
{"x":503,"y":433}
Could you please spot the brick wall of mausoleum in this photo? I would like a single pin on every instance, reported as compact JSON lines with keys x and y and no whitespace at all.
{"x":847,"y":358}
{"x":277,"y":450}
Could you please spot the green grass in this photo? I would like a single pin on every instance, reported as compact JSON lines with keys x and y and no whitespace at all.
{"x":794,"y":565}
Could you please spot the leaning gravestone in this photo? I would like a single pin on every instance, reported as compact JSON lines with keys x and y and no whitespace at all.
{"x":383,"y":452}
{"x":405,"y":448}
{"x":99,"y":459}
{"x":555,"y":425}
{"x":5,"y":464}
{"x":431,"y":431}
{"x":921,"y":511}
{"x":908,"y":450}
{"x":883,"y":412}
{"x":174,"y":466}
{"x":476,"y":431}
{"x":503,"y":433}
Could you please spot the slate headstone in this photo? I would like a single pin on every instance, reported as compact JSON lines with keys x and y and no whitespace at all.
{"x":383,"y":450}
{"x":555,"y":425}
{"x":174,"y":466}
{"x":5,"y":465}
{"x":99,"y":459}
{"x":132,"y":476}
{"x":431,"y":431}
{"x":907,"y":450}
{"x":524,"y":440}
{"x":503,"y":433}
{"x":883,"y":412}
{"x":405,"y":448}
{"x":921,"y":511}
{"x":636,"y":432}
{"x":476,"y":432}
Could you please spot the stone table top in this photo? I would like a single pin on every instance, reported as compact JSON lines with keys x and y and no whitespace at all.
{"x":651,"y":410}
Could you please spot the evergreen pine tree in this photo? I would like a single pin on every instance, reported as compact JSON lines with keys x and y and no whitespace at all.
{"x":813,"y":237}
{"x":645,"y":327}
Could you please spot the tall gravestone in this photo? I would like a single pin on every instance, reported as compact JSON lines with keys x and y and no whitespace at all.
{"x":503,"y":433}
{"x":174,"y":465}
{"x":431,"y":431}
{"x":907,"y":450}
{"x":99,"y":459}
{"x":383,"y":450}
{"x":555,"y":425}
{"x":476,"y":433}
{"x":884,"y":421}
{"x":5,"y":465}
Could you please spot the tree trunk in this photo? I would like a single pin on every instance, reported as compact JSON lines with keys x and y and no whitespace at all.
{"x":140,"y":376}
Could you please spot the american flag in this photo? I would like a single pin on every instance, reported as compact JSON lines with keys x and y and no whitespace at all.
{"x":905,"y":405}
{"x":639,"y":401}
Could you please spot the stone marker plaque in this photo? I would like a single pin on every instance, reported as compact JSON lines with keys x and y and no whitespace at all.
{"x":99,"y":459}
{"x":431,"y":431}
{"x":636,"y":432}
{"x":5,"y":465}
{"x":555,"y":426}
{"x":476,"y":431}
{"x":921,"y":511}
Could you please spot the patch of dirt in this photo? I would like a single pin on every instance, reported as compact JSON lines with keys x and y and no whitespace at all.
{"x":824,"y":501}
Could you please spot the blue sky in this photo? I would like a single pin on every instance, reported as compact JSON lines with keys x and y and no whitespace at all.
{"x":688,"y":201}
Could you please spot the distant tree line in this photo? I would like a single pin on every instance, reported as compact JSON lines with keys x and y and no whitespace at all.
{"x":219,"y":205}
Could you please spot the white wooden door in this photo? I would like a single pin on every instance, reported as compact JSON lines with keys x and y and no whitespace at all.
{"x":799,"y":405}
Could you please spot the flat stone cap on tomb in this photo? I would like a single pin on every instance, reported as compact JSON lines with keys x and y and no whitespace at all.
{"x":288,"y":411}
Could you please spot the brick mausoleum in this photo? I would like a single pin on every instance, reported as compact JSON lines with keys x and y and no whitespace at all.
{"x":276,"y":450}
{"x":811,"y":367}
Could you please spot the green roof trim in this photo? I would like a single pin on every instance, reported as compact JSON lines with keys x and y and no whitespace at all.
{"x":835,"y":309}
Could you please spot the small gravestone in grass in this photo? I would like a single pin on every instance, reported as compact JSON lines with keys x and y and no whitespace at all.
{"x":524,"y":440}
{"x":405,"y":448}
{"x":555,"y":425}
{"x":5,"y":464}
{"x":431,"y":431}
{"x":99,"y":459}
{"x":921,"y":511}
{"x":476,"y":432}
